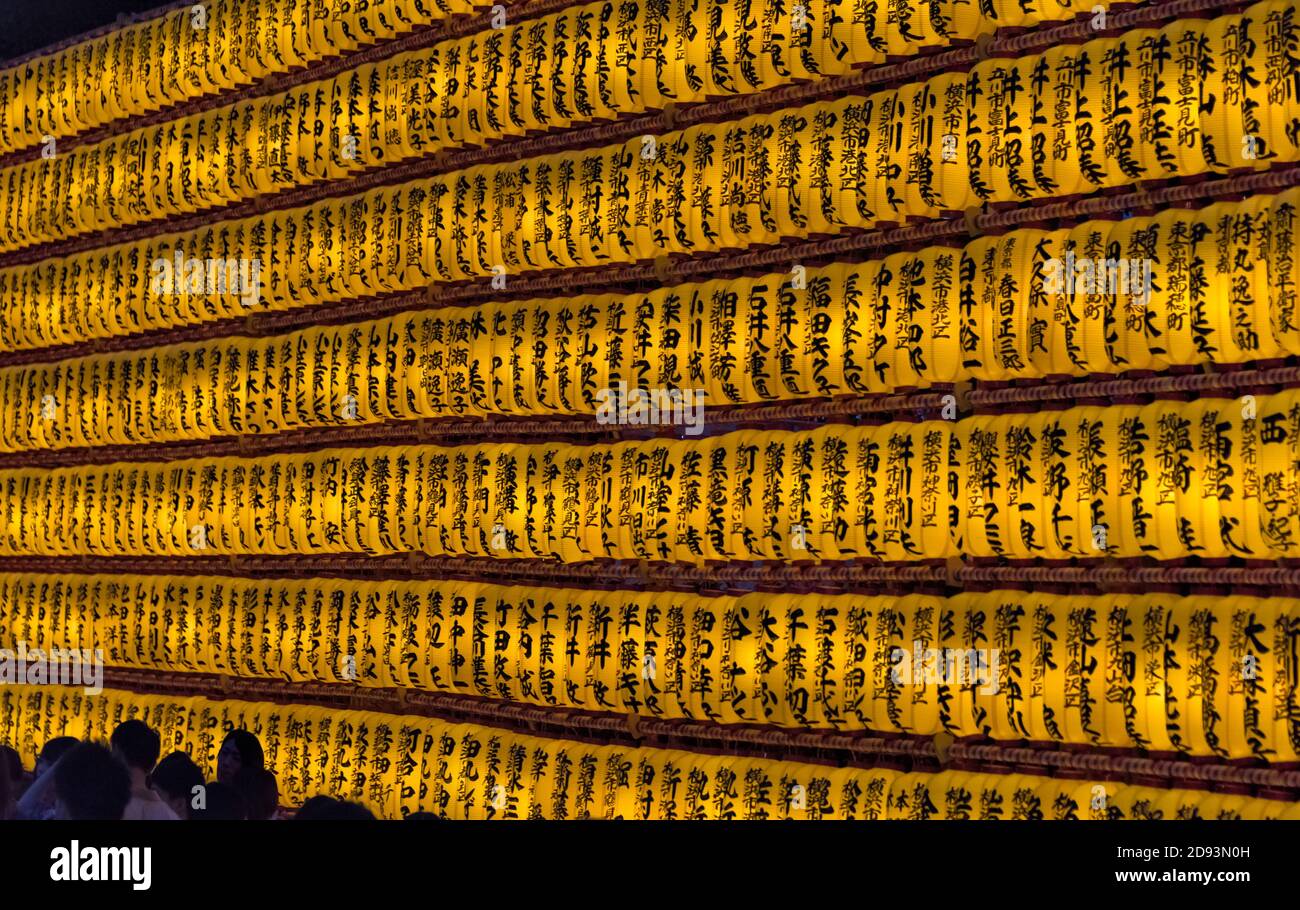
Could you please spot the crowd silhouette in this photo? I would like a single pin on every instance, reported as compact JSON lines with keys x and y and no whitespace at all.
{"x":127,"y":780}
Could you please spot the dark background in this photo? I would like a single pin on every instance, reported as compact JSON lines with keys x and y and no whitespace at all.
{"x":29,"y":25}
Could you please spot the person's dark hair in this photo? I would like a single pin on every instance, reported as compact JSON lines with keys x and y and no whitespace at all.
{"x":260,"y":791}
{"x":56,"y":749}
{"x":11,"y":762}
{"x":423,"y":816}
{"x":91,"y":784}
{"x":327,"y":808}
{"x":176,"y":776}
{"x":136,"y":744}
{"x":11,"y":780}
{"x":316,"y":808}
{"x":6,"y":796}
{"x":222,"y":803}
{"x":353,"y":812}
{"x":249,"y":749}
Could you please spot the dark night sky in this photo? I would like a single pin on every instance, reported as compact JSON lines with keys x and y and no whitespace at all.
{"x":27,"y":25}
